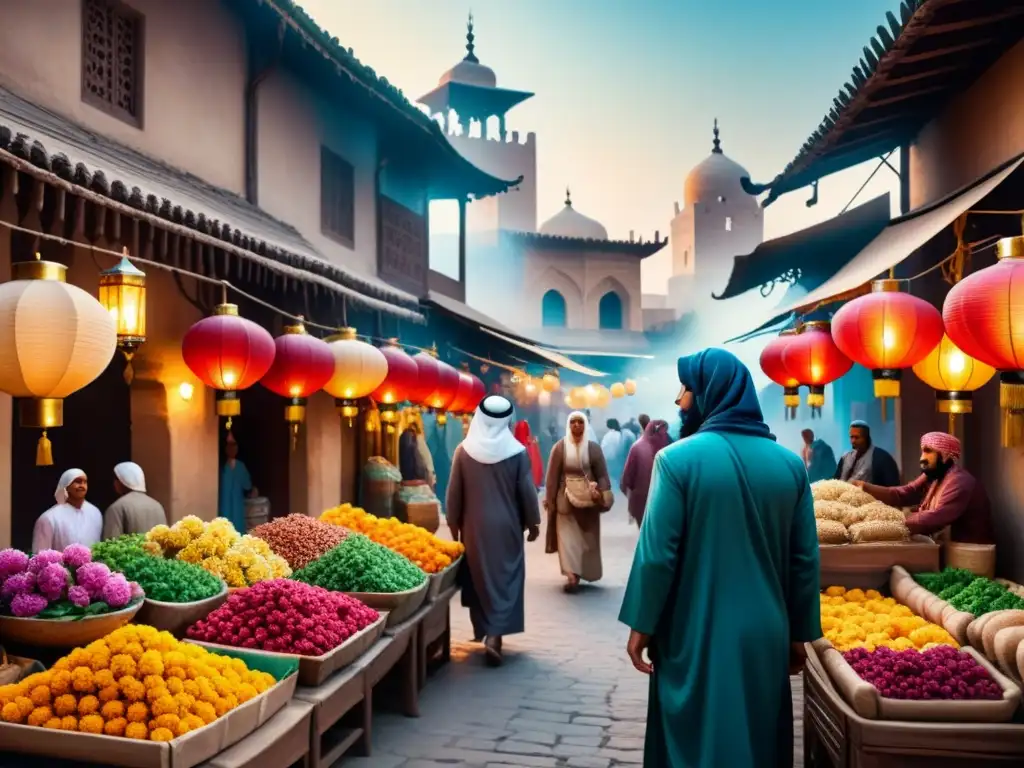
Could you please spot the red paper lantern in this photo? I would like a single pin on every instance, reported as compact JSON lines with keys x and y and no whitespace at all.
{"x":228,"y":353}
{"x":302,"y":365}
{"x":814,"y":360}
{"x":771,"y":364}
{"x":441,"y":399}
{"x":428,"y":370}
{"x":463,"y":393}
{"x":887,"y":331}
{"x":984,"y":315}
{"x":400,"y":383}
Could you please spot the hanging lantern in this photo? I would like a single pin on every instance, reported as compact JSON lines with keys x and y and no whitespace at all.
{"x":602,"y":397}
{"x":302,"y":365}
{"x":886,"y":331}
{"x":123,"y":294}
{"x":771,"y":364}
{"x":551,"y":382}
{"x":954,"y":376}
{"x":398,"y":386}
{"x":441,"y":399}
{"x":814,"y":360}
{"x":530,"y":390}
{"x":591,"y":394}
{"x":577,"y":398}
{"x":544,"y":399}
{"x":228,"y":353}
{"x":55,"y":339}
{"x":984,"y":319}
{"x":478,"y":393}
{"x":618,"y":390}
{"x":463,"y":393}
{"x":359,"y":368}
{"x":427,"y":373}
{"x":630,"y":386}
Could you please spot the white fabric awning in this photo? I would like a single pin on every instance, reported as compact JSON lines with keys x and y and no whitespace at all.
{"x":900,"y":239}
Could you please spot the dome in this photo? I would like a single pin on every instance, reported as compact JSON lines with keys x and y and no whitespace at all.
{"x":470,"y":71}
{"x":569,"y":222}
{"x":715,"y":177}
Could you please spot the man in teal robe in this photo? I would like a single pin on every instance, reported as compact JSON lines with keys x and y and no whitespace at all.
{"x":235,"y":485}
{"x":724,"y":586}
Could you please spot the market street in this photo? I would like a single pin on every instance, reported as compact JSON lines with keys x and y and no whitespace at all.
{"x":566,"y":696}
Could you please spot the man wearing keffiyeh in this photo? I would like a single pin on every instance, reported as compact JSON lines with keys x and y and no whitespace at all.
{"x":945,"y":494}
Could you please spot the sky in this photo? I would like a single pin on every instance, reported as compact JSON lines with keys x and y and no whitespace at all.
{"x":627,"y":91}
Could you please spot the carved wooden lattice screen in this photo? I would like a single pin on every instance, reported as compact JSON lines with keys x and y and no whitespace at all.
{"x":112,"y":58}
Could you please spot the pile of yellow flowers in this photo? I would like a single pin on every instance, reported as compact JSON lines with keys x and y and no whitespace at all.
{"x":864,"y":619}
{"x":417,"y":544}
{"x":136,"y":682}
{"x":240,"y":560}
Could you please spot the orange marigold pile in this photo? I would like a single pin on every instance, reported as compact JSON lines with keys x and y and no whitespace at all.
{"x":137,"y":683}
{"x":423,"y":548}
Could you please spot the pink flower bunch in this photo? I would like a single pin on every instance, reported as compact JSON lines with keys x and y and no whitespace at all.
{"x":285,"y":616}
{"x":29,"y":585}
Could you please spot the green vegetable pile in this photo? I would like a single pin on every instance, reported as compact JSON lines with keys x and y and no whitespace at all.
{"x":970,"y":593}
{"x":172,"y":581}
{"x":117,"y":553}
{"x":360,"y":565}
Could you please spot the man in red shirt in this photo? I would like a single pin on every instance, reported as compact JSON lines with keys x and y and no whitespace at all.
{"x":945,"y":494}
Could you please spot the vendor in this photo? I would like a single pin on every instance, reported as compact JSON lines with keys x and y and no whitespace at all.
{"x":945,"y":494}
{"x":866,"y":462}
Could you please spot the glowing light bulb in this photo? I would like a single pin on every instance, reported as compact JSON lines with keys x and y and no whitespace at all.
{"x":185,"y":391}
{"x":888,"y":338}
{"x":957,"y":362}
{"x":230,"y":378}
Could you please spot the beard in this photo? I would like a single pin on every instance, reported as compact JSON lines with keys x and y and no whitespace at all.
{"x":690,"y":421}
{"x":938,"y":471}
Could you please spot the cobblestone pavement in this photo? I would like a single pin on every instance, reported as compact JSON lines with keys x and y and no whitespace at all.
{"x":566,"y":696}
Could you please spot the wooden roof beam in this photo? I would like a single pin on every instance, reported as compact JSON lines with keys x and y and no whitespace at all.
{"x":973,"y":23}
{"x":904,"y":97}
{"x":910,"y":58}
{"x":937,"y":72}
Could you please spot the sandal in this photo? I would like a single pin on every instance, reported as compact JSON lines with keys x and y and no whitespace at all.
{"x":493,"y":649}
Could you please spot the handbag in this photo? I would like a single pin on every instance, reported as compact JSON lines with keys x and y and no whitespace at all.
{"x":577,"y":491}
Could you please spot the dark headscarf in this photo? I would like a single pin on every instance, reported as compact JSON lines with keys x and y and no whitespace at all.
{"x":724,"y":393}
{"x":636,"y":477}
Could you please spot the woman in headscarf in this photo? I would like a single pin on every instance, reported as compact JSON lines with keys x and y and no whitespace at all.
{"x":724,"y":586}
{"x":491,"y":502}
{"x":636,"y":477}
{"x":577,"y":491}
{"x":72,"y":520}
{"x":522,"y":434}
{"x":134,"y":511}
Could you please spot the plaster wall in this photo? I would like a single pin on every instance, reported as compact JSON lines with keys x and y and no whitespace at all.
{"x":193,"y":79}
{"x":517,"y":156}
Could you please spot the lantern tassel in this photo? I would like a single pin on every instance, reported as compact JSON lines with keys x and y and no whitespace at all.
{"x":129,"y":369}
{"x":44,"y":451}
{"x":295,"y":435}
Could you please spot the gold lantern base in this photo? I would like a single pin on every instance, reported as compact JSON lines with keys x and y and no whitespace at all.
{"x":228,"y":406}
{"x":295,"y":414}
{"x":348,"y":409}
{"x":441,"y":418}
{"x":42,"y":413}
{"x":954,"y":403}
{"x":1011,"y":400}
{"x":887,"y":388}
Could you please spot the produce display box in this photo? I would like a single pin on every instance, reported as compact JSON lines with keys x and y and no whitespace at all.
{"x":928,"y":605}
{"x":867,"y":566}
{"x":342,"y":711}
{"x":399,"y":605}
{"x":313,"y":670}
{"x":400,"y":657}
{"x":178,"y":617}
{"x":435,"y":630}
{"x":835,"y":735}
{"x":185,"y":751}
{"x":442,"y":581}
{"x":866,"y":701}
{"x":281,"y":742}
{"x":66,"y":632}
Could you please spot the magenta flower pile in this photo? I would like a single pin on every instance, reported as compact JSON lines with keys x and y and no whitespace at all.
{"x":61,"y":585}
{"x":938,"y":673}
{"x":286,"y":617}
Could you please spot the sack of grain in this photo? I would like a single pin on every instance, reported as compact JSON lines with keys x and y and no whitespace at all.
{"x":1001,"y":620}
{"x":856,"y":497}
{"x":831,"y":532}
{"x":878,"y":530}
{"x":830,"y":490}
{"x":830,"y":510}
{"x":876,"y":510}
{"x":1005,"y":645}
{"x":852,"y":515}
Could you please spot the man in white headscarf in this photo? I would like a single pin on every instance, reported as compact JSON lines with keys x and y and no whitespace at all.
{"x":491,"y":501}
{"x":134,"y":511}
{"x":72,"y":520}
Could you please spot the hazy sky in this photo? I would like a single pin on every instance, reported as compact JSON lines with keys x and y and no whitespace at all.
{"x":626,"y":90}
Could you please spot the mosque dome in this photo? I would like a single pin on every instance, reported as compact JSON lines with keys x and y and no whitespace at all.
{"x":470,"y":71}
{"x":716,"y":178}
{"x":569,"y":222}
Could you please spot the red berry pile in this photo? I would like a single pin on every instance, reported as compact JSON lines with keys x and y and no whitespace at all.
{"x":286,"y":617}
{"x":938,"y":673}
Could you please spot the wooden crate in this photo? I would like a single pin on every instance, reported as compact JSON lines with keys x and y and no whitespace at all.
{"x":282,"y":742}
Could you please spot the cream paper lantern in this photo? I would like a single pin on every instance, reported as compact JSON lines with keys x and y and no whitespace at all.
{"x":551,"y":382}
{"x":359,"y":368}
{"x":591,"y":394}
{"x":55,"y":339}
{"x":602,"y":397}
{"x":618,"y":390}
{"x":630,"y":387}
{"x":577,"y":398}
{"x":544,"y":399}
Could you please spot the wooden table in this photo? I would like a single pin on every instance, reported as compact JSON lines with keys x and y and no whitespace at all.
{"x":281,"y":742}
{"x":342,"y":717}
{"x":435,"y":627}
{"x":400,"y":654}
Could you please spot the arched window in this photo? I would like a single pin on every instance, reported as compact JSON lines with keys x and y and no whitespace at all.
{"x":552,"y":310}
{"x":609,"y":312}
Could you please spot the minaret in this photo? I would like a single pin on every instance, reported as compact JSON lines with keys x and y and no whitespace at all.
{"x":716,"y":148}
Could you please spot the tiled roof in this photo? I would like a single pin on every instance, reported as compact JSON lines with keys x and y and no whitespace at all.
{"x":639,"y":248}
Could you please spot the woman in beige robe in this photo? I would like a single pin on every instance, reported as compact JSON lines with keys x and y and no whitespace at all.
{"x":575,"y":532}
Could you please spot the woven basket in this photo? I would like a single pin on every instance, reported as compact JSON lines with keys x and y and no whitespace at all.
{"x":977,"y":558}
